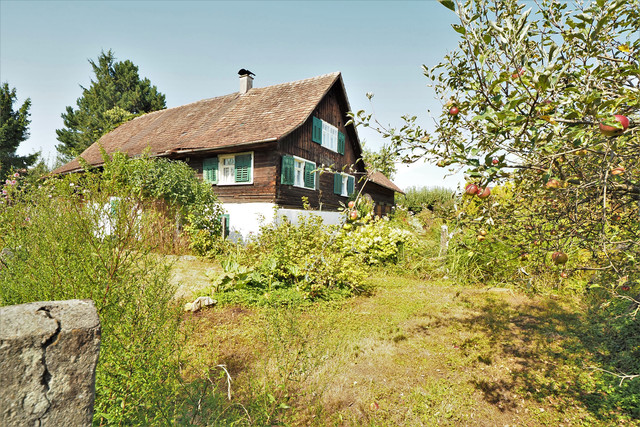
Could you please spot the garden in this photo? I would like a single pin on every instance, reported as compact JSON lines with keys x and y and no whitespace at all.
{"x":521,"y":310}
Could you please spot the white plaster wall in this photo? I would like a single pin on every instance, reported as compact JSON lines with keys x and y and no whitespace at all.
{"x":245,"y":218}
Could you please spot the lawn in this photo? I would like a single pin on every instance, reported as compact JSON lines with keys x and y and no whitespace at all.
{"x":412,"y":353}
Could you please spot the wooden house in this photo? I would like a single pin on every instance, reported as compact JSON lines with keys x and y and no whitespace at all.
{"x":260,"y":148}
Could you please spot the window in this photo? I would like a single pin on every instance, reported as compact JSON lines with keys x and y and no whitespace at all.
{"x":327,"y":135}
{"x":228,"y":169}
{"x":343,"y":184}
{"x":228,"y":166}
{"x":298,"y":172}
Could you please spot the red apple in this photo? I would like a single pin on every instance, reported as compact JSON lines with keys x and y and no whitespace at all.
{"x":625,"y":288}
{"x":519,"y":73}
{"x":607,"y":130}
{"x":454,"y":110}
{"x":471,"y":189}
{"x":553,"y":183}
{"x":483,"y":193}
{"x":559,"y":258}
{"x":495,"y":161}
{"x":353,"y":215}
{"x":351,"y":204}
{"x":618,"y":170}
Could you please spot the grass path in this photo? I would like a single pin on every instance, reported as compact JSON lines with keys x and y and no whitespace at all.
{"x":414,"y":353}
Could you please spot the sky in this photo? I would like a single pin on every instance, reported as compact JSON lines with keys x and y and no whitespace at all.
{"x":192,"y":50}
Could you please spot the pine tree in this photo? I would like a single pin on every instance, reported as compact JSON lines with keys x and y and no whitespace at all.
{"x":13,"y":130}
{"x":115,"y":96}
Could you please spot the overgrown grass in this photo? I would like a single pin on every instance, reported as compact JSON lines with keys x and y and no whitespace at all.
{"x":416,"y":353}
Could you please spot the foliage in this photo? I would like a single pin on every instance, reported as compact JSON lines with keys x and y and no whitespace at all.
{"x":55,"y":248}
{"x":94,"y":235}
{"x":175,"y":183}
{"x":115,"y":96}
{"x":532,"y":87}
{"x":14,"y":129}
{"x":376,"y":239}
{"x":383,"y":160}
{"x":289,"y":262}
{"x":436,"y":199}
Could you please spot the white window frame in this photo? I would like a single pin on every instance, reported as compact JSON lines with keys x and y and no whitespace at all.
{"x":345,"y":184}
{"x":221,"y":166}
{"x":298,"y":165}
{"x":329,"y":136}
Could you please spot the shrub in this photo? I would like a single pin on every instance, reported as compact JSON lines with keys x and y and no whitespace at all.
{"x":436,"y":199}
{"x":90,"y":236}
{"x":287,"y":264}
{"x":180,"y":194}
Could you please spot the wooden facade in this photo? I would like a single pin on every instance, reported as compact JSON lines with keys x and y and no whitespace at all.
{"x":285,"y":123}
{"x":266,"y":185}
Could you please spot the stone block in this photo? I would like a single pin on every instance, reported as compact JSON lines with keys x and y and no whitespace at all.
{"x":48,"y":357}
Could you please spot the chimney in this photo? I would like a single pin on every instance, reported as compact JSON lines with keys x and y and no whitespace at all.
{"x":246,"y":81}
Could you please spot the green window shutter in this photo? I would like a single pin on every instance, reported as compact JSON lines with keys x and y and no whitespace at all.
{"x":288,"y":171}
{"x":243,"y":168}
{"x":337,"y":183}
{"x":210,"y":170}
{"x":351,"y":183}
{"x":309,"y":175}
{"x":341,"y":143}
{"x":316,"y":132}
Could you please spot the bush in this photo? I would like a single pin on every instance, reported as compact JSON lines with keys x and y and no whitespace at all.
{"x":286,"y":263}
{"x":439,"y":200}
{"x":183,"y":196}
{"x":91,"y":236}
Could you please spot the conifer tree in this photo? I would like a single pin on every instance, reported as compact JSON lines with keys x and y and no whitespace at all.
{"x":14,"y":128}
{"x":116,"y":95}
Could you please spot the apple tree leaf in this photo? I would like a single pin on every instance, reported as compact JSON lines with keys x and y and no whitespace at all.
{"x":449,"y":4}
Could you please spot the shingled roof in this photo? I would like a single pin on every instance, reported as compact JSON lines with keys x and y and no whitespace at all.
{"x":381,"y":179}
{"x":260,"y":115}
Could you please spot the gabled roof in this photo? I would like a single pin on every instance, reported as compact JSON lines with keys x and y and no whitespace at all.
{"x":380,"y":179}
{"x":260,"y":115}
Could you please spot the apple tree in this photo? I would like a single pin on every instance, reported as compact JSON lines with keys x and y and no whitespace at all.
{"x":544,"y":98}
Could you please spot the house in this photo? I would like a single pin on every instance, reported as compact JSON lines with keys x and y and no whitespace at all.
{"x":260,"y":148}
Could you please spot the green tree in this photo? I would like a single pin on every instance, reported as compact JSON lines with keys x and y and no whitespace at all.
{"x":383,"y":160}
{"x":14,"y":128}
{"x":117,"y":95}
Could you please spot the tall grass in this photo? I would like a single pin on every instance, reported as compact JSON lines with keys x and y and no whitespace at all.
{"x":85,"y":237}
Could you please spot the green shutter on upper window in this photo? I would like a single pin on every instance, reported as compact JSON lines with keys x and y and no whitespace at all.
{"x":243,"y":168}
{"x":351,"y":184}
{"x":288,"y":170}
{"x":210,"y":170}
{"x":309,"y":175}
{"x":337,"y":183}
{"x":316,"y":131}
{"x":340,"y":142}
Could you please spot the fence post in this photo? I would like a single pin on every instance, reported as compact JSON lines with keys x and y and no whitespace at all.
{"x":444,"y":239}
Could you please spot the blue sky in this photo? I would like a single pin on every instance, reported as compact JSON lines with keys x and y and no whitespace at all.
{"x":192,"y":50}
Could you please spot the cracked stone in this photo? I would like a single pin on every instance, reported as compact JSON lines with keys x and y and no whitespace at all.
{"x":48,"y":355}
